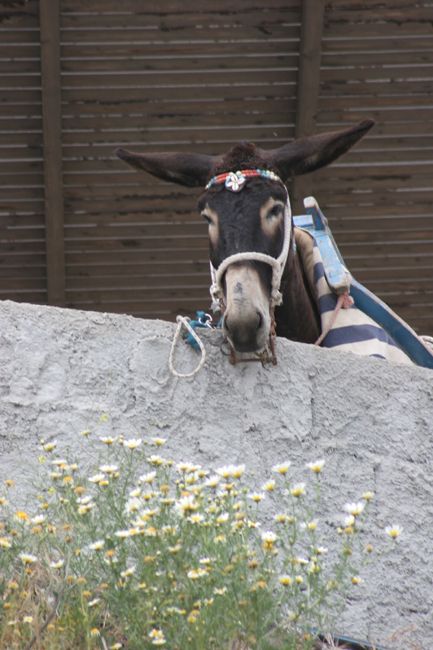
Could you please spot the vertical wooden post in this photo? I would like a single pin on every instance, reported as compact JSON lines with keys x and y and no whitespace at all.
{"x":49,"y":18}
{"x":310,"y":51}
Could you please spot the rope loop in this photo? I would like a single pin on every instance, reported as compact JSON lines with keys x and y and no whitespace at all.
{"x":183,"y":321}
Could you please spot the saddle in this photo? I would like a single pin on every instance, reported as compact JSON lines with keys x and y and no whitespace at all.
{"x":340,"y":281}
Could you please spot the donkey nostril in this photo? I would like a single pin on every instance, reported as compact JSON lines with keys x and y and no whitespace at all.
{"x":259,"y":320}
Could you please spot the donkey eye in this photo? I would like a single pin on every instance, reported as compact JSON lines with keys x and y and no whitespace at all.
{"x":275,"y":211}
{"x":207,"y":218}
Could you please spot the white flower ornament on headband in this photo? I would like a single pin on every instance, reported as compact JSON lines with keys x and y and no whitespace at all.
{"x":235,"y":181}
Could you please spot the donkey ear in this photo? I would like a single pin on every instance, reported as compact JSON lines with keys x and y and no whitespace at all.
{"x":308,"y":154}
{"x":190,"y":169}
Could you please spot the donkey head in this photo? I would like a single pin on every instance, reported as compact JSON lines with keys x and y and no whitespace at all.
{"x":248,"y":213}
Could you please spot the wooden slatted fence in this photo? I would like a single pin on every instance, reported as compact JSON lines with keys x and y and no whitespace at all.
{"x":80,"y":229}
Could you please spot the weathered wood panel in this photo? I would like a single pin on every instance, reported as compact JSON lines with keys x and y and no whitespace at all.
{"x":377,"y":61}
{"x":22,"y":226}
{"x":203,"y":76}
{"x":186,"y":76}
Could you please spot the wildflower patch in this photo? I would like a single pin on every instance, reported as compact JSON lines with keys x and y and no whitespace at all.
{"x":143,"y":552}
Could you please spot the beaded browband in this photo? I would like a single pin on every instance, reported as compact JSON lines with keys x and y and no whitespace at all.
{"x":234,"y":181}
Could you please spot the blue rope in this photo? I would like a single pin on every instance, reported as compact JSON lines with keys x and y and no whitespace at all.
{"x":202,"y":320}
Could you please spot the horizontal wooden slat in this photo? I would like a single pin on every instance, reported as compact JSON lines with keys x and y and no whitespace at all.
{"x":229,"y":31}
{"x":377,"y":29}
{"x":16,"y":270}
{"x":193,"y":120}
{"x":184,"y":77}
{"x":18,"y":66}
{"x":387,"y":117}
{"x":146,"y":245}
{"x":250,"y":89}
{"x":31,"y":95}
{"x":404,"y":17}
{"x":24,"y":177}
{"x":21,"y":193}
{"x":398,"y":173}
{"x":379,"y":87}
{"x":143,"y":268}
{"x":188,"y":107}
{"x":177,"y":21}
{"x":388,"y":156}
{"x":136,"y":232}
{"x":22,"y":248}
{"x":21,"y":153}
{"x":394,"y":58}
{"x":398,"y":208}
{"x":24,"y":37}
{"x":15,"y":208}
{"x":368,"y":5}
{"x":210,"y":50}
{"x":31,"y":284}
{"x":413,"y":299}
{"x":23,"y":259}
{"x":140,"y":298}
{"x":402,"y":130}
{"x":18,"y":235}
{"x":160,"y":283}
{"x":31,"y":81}
{"x":114,"y":62}
{"x":19,"y":112}
{"x":388,"y":73}
{"x":78,"y":143}
{"x":142,"y":294}
{"x":377,"y":102}
{"x":163,"y":136}
{"x":353,"y":42}
{"x":169,"y":6}
{"x":397,"y":275}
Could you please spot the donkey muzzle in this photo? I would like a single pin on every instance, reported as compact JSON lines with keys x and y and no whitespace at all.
{"x":247,"y":320}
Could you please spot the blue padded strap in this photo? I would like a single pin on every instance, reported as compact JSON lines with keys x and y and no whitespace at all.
{"x":401,"y":332}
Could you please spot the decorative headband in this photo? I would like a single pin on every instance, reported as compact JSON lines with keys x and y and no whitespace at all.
{"x":234,"y":181}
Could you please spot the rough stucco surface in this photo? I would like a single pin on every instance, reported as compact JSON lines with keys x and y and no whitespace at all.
{"x":372,"y":422}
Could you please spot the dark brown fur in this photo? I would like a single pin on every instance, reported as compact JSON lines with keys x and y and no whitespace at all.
{"x":244,"y":155}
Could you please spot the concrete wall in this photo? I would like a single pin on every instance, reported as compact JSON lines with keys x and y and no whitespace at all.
{"x":372,"y":422}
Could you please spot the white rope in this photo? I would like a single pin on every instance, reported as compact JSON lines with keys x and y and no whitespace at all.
{"x":278,"y":264}
{"x":184,"y":321}
{"x":428,"y":341}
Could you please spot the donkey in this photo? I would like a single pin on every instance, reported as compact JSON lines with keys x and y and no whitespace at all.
{"x":260,"y":265}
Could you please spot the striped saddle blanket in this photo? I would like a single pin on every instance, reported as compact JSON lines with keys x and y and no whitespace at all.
{"x":368,"y":327}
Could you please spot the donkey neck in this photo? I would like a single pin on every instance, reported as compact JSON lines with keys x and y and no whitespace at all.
{"x":297,"y":318}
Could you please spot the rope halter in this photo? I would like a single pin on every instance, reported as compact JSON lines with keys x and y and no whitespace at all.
{"x":235,"y":182}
